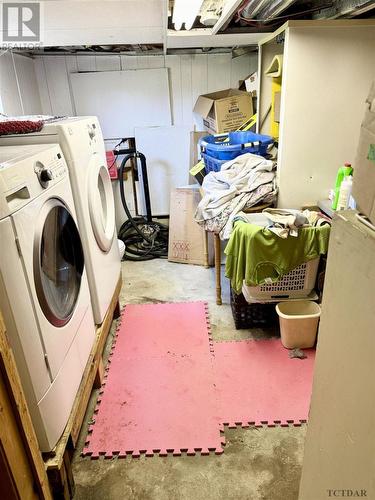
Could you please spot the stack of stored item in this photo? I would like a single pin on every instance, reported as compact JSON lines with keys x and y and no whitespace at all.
{"x":82,"y":145}
{"x":266,"y":266}
{"x":44,"y":291}
{"x":218,"y":149}
{"x":256,"y":255}
{"x":62,"y":264}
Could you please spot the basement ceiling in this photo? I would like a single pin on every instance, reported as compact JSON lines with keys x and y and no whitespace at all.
{"x":228,"y":16}
{"x":136,"y":27}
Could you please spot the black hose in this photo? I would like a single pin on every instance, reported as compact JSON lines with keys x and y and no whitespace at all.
{"x":144,"y":239}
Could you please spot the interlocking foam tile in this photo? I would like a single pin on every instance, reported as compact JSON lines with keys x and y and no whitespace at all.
{"x":158,"y":329}
{"x":257,"y":383}
{"x":159,"y":392}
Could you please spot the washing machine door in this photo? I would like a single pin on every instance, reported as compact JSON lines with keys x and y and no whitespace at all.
{"x":101,"y":203}
{"x":58,"y":262}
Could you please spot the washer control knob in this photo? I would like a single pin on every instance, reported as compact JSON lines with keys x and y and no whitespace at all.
{"x":45,"y":176}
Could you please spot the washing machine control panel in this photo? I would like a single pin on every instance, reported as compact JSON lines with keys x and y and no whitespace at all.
{"x":52,"y":170}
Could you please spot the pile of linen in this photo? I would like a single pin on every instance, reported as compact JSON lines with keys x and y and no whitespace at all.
{"x":241,"y":183}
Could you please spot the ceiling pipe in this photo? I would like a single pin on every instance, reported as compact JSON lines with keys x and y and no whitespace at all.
{"x":362,"y":10}
{"x":345,"y":8}
{"x":273,"y":9}
{"x":251,"y":8}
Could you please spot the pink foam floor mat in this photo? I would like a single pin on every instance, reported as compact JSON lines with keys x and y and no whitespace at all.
{"x":160,"y":329}
{"x":159,"y":393}
{"x":257,"y":383}
{"x":168,"y":389}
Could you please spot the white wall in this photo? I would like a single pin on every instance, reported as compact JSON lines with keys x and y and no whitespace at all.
{"x":19,"y":92}
{"x":190,"y":76}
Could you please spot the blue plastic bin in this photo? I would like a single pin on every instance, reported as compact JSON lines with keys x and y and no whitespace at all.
{"x":238,"y":143}
{"x":212,"y":164}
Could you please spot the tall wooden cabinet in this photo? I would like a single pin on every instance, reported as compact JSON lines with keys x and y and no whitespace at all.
{"x":328,"y":67}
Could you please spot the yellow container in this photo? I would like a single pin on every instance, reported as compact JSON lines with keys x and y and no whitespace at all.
{"x":298,"y":323}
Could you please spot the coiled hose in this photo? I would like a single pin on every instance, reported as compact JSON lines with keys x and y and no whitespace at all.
{"x":144,"y":238}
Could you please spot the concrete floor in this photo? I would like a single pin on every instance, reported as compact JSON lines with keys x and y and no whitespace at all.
{"x":256,"y":464}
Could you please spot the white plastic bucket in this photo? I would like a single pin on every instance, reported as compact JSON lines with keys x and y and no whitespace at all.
{"x":298,"y":323}
{"x":121,"y":248}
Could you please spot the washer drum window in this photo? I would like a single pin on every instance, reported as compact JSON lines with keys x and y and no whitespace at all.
{"x":101,"y":205}
{"x":58,"y":262}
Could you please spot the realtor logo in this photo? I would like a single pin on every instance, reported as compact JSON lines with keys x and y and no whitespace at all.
{"x":21,"y":24}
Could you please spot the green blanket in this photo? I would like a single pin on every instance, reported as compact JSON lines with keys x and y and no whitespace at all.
{"x":255,"y":254}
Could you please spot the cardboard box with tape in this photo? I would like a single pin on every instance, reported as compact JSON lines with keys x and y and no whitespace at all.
{"x":224,"y":111}
{"x":188,"y":242}
{"x":364,"y":166}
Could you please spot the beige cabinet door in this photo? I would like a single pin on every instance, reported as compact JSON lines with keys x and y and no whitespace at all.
{"x":339,"y":456}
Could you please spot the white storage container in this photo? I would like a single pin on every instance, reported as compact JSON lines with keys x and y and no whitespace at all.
{"x":297,"y":284}
{"x":298,"y":323}
{"x":121,"y":248}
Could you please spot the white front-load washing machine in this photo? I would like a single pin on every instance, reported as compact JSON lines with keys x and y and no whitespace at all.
{"x":82,"y":143}
{"x":44,"y":294}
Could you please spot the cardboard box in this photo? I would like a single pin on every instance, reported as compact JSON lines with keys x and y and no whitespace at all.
{"x":224,"y":111}
{"x":187,"y":240}
{"x":276,"y":109}
{"x":111,"y":164}
{"x":250,"y":84}
{"x":364,"y":166}
{"x":195,"y":157}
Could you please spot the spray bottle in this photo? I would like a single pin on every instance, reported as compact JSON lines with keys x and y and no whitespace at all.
{"x":342,"y":172}
{"x":345,"y":192}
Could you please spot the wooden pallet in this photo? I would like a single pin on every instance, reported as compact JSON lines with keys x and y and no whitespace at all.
{"x":58,"y":462}
{"x":21,"y":464}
